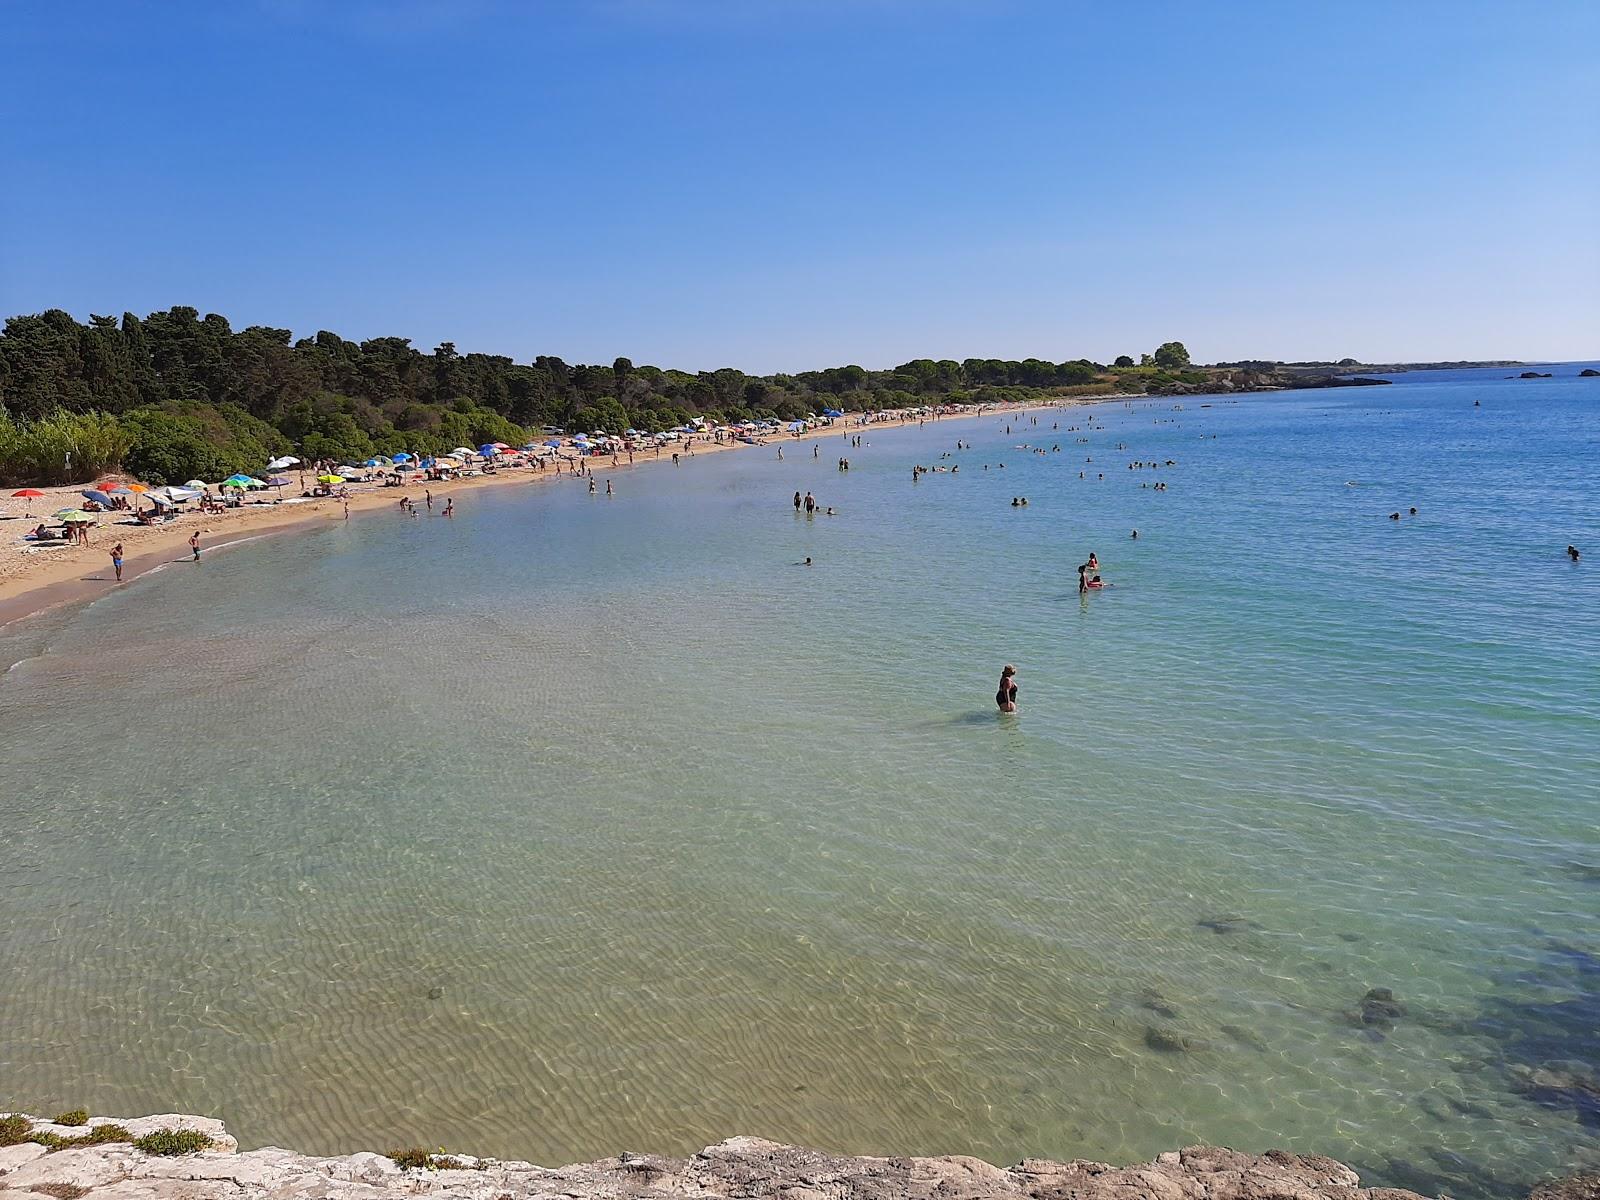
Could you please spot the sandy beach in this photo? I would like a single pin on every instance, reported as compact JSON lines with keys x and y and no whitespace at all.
{"x":39,"y":576}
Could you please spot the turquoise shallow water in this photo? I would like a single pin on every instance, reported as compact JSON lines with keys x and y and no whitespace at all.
{"x":579,"y":824}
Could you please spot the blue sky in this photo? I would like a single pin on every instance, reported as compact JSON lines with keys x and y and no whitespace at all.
{"x":798,"y":183}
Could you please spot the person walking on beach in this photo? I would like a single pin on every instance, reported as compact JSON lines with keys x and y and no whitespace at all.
{"x":1006,"y":696}
{"x":427,"y":497}
{"x":450,"y":507}
{"x":116,"y":560}
{"x":608,"y":488}
{"x":591,"y":485}
{"x":194,"y":544}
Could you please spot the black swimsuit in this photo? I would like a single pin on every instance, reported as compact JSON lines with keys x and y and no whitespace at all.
{"x":1006,"y":695}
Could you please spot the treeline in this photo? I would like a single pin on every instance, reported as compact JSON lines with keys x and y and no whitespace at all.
{"x":192,"y":397}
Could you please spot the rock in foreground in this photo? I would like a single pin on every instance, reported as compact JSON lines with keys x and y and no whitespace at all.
{"x":744,"y":1168}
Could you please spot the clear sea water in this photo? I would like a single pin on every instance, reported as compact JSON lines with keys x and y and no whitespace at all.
{"x":582,"y":824}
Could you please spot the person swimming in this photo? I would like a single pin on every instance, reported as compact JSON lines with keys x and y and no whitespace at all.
{"x":1573,"y":553}
{"x":1094,"y":561}
{"x":1005,"y":696}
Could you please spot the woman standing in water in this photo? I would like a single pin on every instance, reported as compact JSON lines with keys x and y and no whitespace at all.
{"x":1006,"y":696}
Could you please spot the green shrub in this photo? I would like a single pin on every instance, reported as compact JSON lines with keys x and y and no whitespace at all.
{"x":14,"y":1130}
{"x":427,"y":1160}
{"x":62,"y":447}
{"x":173,"y":1141}
{"x":98,"y":1136}
{"x":77,"y":1116}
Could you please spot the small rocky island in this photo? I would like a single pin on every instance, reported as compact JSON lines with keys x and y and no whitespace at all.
{"x":178,"y":1157}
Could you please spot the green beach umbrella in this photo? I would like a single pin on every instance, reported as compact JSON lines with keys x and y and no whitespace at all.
{"x":72,"y":515}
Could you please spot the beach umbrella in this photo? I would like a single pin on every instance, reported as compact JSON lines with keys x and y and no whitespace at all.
{"x":278,"y":481}
{"x":157,"y":498}
{"x":176,"y":494}
{"x":96,"y":495}
{"x":279,"y":464}
{"x":402,"y":457}
{"x":553,"y":443}
{"x":488,"y":449}
{"x":832,"y":412}
{"x":329,"y":479}
{"x":28,"y":493}
{"x":464,"y":451}
{"x":237,"y":480}
{"x":794,"y":425}
{"x":198,"y":484}
{"x":136,"y":487}
{"x":73,"y":516}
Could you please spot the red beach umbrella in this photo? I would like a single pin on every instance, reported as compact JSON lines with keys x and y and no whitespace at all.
{"x":28,"y":493}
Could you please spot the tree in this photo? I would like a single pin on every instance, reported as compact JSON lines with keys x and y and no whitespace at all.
{"x":1172,"y":356}
{"x":1123,"y":360}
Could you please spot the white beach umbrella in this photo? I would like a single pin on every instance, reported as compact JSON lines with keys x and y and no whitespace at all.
{"x":197,"y":483}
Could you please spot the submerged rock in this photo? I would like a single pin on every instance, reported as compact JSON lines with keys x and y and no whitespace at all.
{"x":1229,"y":923}
{"x":1168,"y":1042}
{"x":1244,"y":1037}
{"x":1380,"y":1009}
{"x":1561,"y":1085}
{"x":1158,"y":1004}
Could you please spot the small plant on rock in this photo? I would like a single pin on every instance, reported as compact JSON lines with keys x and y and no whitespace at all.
{"x":76,"y":1116}
{"x":98,"y":1136}
{"x":173,"y":1141}
{"x":14,"y":1129}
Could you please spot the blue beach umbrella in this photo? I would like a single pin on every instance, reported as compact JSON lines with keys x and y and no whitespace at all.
{"x":96,"y":495}
{"x":402,"y":457}
{"x":554,"y":443}
{"x":832,"y":412}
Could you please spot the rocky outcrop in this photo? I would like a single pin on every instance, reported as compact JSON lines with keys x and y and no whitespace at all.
{"x":741,"y":1168}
